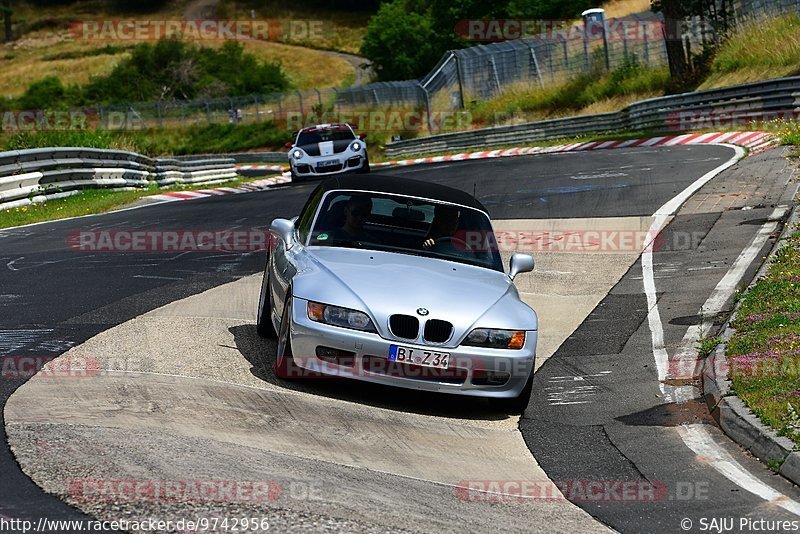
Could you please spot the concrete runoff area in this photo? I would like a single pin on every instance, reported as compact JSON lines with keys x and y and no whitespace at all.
{"x":186,"y":380}
{"x":45,"y":315}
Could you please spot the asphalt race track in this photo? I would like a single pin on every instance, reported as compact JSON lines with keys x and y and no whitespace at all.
{"x":613,"y":427}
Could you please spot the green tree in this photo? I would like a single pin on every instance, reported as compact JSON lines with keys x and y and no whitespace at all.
{"x":401,"y":41}
{"x":5,"y":7}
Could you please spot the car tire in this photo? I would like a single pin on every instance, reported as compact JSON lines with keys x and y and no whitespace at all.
{"x":514,"y":405}
{"x":264,"y":325}
{"x":284,"y":366}
{"x":296,"y":179}
{"x":365,"y":168}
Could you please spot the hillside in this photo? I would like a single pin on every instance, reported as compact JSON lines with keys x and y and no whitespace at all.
{"x":45,"y":44}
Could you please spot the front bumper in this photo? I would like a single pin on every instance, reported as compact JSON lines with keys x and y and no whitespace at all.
{"x":345,"y":162}
{"x":364,"y":356}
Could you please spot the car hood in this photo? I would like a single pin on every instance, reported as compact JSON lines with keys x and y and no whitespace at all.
{"x":386,"y":283}
{"x":326,"y":148}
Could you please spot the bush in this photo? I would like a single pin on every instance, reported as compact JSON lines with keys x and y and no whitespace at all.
{"x":47,"y":93}
{"x":166,"y":70}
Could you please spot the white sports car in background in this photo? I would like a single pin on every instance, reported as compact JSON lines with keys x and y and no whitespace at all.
{"x":327,"y":149}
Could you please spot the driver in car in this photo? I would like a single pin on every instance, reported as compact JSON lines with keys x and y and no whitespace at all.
{"x":441,"y":236}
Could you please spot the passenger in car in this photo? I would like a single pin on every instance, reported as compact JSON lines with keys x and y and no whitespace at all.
{"x":356,"y":211}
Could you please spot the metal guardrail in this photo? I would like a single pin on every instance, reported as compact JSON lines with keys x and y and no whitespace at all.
{"x":28,"y":176}
{"x":738,"y":104}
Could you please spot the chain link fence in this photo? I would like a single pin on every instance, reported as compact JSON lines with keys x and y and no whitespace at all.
{"x":460,"y":79}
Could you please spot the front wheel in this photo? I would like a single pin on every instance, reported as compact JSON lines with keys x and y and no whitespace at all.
{"x":284,"y":366}
{"x":365,"y":168}
{"x":264,"y":325}
{"x":514,"y":405}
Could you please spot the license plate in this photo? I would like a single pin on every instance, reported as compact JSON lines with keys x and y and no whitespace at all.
{"x":328,"y":163}
{"x":416,"y":356}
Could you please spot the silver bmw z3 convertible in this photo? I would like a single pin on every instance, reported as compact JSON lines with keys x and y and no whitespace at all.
{"x":398,"y":282}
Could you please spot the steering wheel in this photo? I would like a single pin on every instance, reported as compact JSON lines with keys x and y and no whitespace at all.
{"x":455,"y":242}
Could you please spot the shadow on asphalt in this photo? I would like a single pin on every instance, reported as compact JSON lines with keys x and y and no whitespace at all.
{"x":255,"y":349}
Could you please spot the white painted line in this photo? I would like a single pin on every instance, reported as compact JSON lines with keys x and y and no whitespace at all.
{"x":156,"y":277}
{"x":700,"y":441}
{"x":660,"y":220}
{"x":724,"y":289}
{"x":695,"y":436}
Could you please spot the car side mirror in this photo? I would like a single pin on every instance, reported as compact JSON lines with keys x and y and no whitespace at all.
{"x":288,"y":145}
{"x":520,"y":263}
{"x":285,"y":230}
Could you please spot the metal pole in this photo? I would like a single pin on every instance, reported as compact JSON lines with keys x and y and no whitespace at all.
{"x":586,"y":61}
{"x":494,"y":72}
{"x":460,"y":76}
{"x":536,"y":65}
{"x":427,"y":107}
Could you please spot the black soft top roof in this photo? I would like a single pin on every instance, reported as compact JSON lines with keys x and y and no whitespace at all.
{"x":383,"y":183}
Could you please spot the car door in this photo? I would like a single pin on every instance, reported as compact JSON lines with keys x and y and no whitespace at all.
{"x":284,"y":261}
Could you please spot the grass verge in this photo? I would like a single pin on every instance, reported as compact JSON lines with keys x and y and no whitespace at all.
{"x":764,"y":353}
{"x":757,"y":51}
{"x":91,"y":201}
{"x":207,"y":139}
{"x":585,"y":94}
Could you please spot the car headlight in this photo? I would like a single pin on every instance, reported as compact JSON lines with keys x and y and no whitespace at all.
{"x":496,"y":339}
{"x":336,"y":316}
{"x":297,"y":154}
{"x":356,"y":146}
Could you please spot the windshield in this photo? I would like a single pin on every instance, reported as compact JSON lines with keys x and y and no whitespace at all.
{"x":406,"y":225}
{"x":320,"y":136}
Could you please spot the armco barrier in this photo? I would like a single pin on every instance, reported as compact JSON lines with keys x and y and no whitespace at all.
{"x":730,"y":106}
{"x":28,"y":176}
